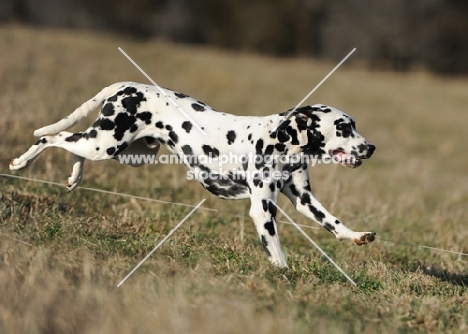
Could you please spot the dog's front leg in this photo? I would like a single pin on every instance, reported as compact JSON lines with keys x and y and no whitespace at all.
{"x":77,"y":173}
{"x":263,"y":213}
{"x":297,"y":189}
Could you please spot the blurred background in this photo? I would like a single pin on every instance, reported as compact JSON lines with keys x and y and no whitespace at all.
{"x":395,"y":35}
{"x":61,"y":254}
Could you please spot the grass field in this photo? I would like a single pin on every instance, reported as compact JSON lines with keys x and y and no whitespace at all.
{"x":62,"y":254}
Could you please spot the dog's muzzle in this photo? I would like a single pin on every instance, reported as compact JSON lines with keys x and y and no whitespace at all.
{"x":350,"y":160}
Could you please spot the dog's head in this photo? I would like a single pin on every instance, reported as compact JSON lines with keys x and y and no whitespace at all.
{"x":329,"y":132}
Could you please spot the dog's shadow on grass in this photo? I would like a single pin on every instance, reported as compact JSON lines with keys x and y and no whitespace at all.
{"x":446,"y":276}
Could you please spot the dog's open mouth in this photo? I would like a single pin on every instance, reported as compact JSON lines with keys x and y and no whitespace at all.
{"x":345,"y":159}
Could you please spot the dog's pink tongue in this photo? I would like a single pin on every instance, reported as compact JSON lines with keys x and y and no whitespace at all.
{"x":342,"y":157}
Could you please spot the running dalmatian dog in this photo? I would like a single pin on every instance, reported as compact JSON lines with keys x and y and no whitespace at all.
{"x":136,"y":119}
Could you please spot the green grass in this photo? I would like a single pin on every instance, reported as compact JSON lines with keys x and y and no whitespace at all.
{"x":62,"y":254}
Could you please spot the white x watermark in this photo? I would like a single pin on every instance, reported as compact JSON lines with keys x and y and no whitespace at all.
{"x":312,"y":91}
{"x":162,"y":241}
{"x":163,"y":92}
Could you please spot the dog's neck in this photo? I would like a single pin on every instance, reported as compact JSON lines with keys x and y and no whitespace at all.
{"x":298,"y":137}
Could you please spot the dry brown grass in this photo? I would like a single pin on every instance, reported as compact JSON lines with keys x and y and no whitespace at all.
{"x":63,"y":254}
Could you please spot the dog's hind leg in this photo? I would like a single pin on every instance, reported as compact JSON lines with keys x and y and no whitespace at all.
{"x":31,"y":154}
{"x":82,"y":145}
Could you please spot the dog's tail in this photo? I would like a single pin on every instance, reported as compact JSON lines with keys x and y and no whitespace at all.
{"x":79,"y":113}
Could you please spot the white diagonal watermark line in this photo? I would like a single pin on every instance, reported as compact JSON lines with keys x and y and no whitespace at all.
{"x":162,"y":241}
{"x":313,"y":243}
{"x":312,"y":91}
{"x":162,"y":91}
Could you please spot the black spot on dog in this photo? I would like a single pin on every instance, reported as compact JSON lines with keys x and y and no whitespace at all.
{"x":305,"y":199}
{"x":337,"y":222}
{"x":319,"y":215}
{"x":245,"y":165}
{"x":159,"y":125}
{"x":133,"y":128}
{"x":132,"y":103}
{"x":282,"y":136}
{"x":108,"y":109}
{"x":198,"y":107}
{"x":129,"y":90}
{"x":329,"y":227}
{"x":280,"y":147}
{"x":269,"y":150}
{"x":123,"y":122}
{"x":106,"y":124}
{"x":74,"y":137}
{"x":315,"y":142}
{"x":180,"y":95}
{"x":270,"y":227}
{"x":110,"y":150}
{"x":112,"y":98}
{"x":259,"y":162}
{"x":187,"y":150}
{"x":97,"y":148}
{"x":265,"y":205}
{"x":256,"y":182}
{"x":272,"y":208}
{"x":272,"y":186}
{"x":231,"y":137}
{"x":41,"y":141}
{"x":249,"y":137}
{"x":362,"y":148}
{"x":174,"y":137}
{"x":293,"y":133}
{"x":92,"y":133}
{"x":168,"y":127}
{"x":259,"y":146}
{"x":222,"y":186}
{"x":97,"y":123}
{"x":293,"y":189}
{"x":145,"y":116}
{"x":265,"y":245}
{"x":121,"y":147}
{"x":187,"y":126}
{"x":210,"y":151}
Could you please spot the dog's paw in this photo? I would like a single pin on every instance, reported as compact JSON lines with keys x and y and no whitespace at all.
{"x":71,"y":183}
{"x":15,"y":165}
{"x":366,"y":238}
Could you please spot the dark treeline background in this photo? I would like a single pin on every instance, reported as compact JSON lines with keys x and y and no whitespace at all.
{"x":389,"y":34}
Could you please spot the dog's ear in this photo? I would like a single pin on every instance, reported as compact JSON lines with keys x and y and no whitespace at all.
{"x":306,"y":118}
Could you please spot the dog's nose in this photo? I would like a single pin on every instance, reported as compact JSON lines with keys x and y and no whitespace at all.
{"x":370,"y":150}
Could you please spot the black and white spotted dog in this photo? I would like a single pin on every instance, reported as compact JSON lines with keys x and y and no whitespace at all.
{"x":137,"y":119}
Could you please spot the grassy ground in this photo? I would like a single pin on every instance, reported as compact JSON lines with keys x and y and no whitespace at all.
{"x":62,"y":255}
